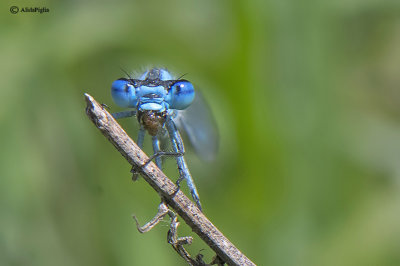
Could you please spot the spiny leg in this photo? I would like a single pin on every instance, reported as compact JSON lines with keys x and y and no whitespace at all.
{"x":156,"y":149}
{"x":161,"y":153}
{"x":157,"y":152}
{"x":123,"y":114}
{"x":140,"y":140}
{"x":142,"y":132}
{"x":178,"y":242}
{"x":105,"y":106}
{"x":184,"y":172}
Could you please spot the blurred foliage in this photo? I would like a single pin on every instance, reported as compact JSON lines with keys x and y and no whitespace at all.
{"x":307,"y":99}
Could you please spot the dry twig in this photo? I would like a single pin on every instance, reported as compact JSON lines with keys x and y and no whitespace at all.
{"x":178,"y":201}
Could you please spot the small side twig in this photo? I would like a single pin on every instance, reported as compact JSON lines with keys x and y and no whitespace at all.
{"x":162,"y":211}
{"x":173,"y":239}
{"x":178,"y":242}
{"x":164,"y":186}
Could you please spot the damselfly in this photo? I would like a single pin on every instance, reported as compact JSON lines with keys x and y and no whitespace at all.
{"x":164,"y":107}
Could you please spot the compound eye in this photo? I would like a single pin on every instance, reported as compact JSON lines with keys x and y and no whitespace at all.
{"x":123,"y":93}
{"x":182,"y":94}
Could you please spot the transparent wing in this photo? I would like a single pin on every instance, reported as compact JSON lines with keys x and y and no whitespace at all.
{"x":199,"y":126}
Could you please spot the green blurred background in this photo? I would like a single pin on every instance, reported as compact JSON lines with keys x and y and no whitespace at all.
{"x":306,"y":96}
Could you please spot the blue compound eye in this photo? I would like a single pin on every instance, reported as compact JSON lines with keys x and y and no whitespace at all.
{"x":123,"y":93}
{"x":182,"y":95}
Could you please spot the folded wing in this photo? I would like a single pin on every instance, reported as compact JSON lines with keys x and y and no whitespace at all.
{"x":198,"y":124}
